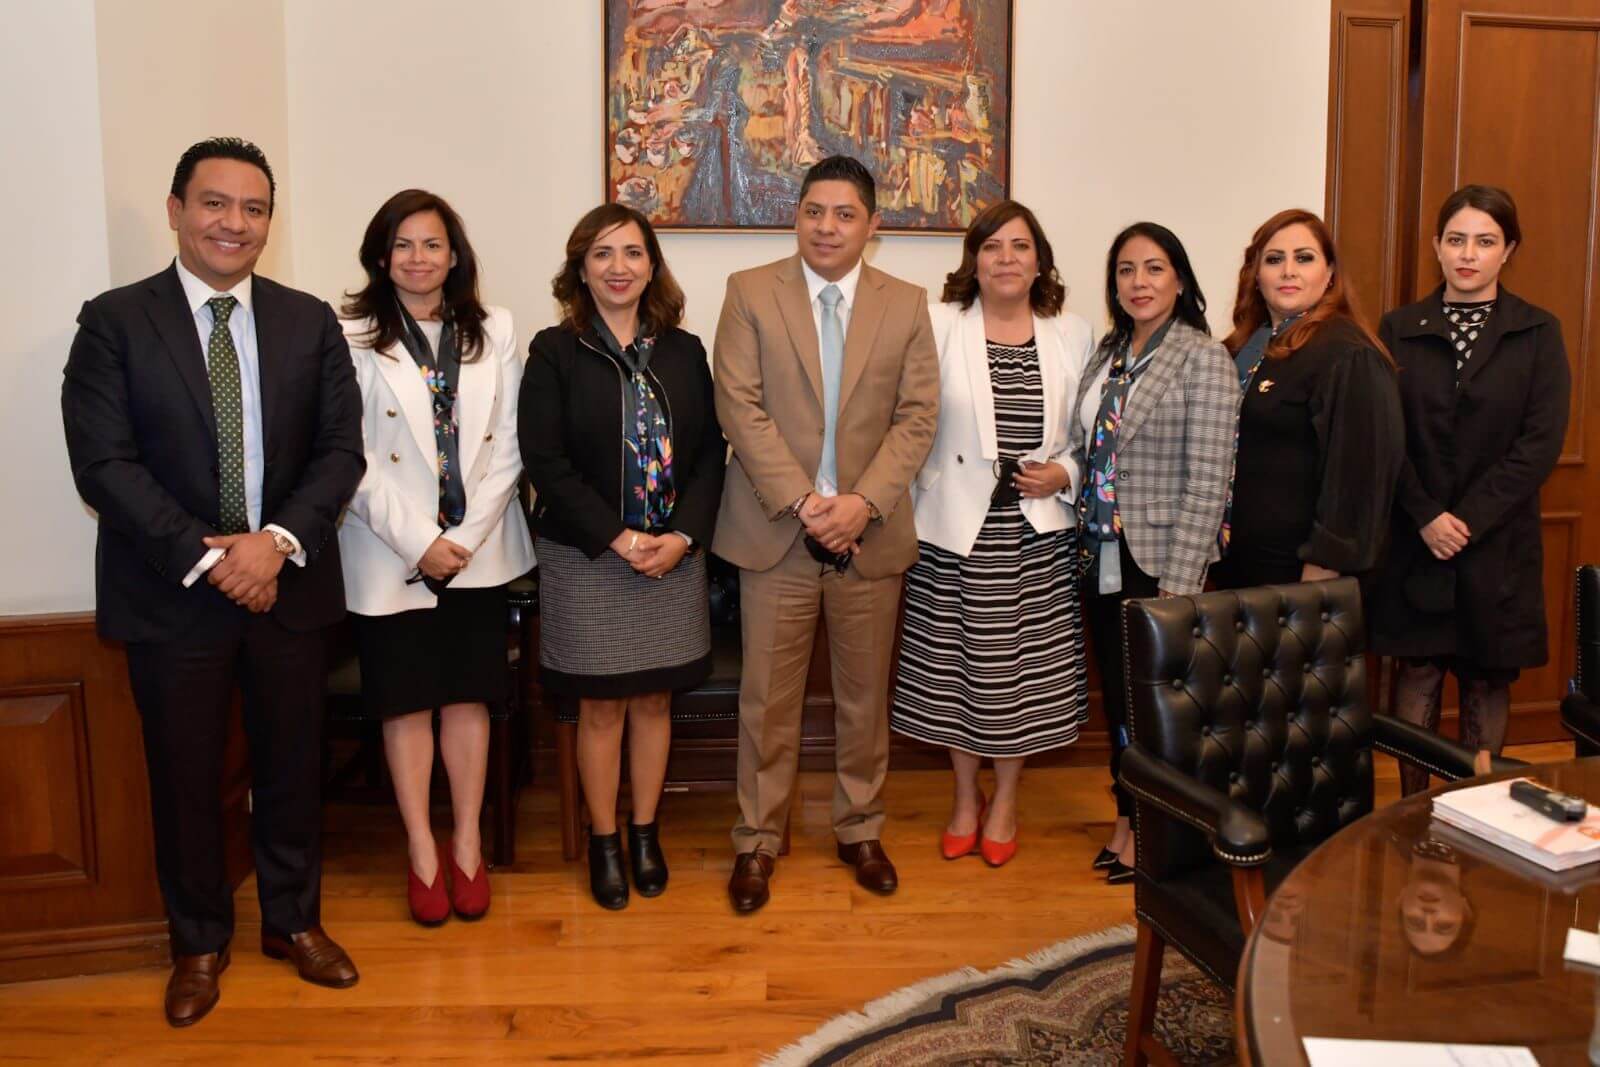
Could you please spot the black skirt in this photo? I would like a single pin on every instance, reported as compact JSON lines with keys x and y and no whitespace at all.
{"x":454,"y":653}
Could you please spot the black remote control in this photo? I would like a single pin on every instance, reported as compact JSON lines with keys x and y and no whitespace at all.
{"x":1547,"y":802}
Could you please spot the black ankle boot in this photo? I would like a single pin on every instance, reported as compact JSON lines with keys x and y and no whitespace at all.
{"x":644,"y":855}
{"x":607,"y":880}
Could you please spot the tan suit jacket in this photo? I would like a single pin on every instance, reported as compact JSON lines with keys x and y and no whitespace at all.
{"x":768,"y":371}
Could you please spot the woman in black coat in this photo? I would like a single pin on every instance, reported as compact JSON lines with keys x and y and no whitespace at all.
{"x":1486,"y":389}
{"x":620,"y":438}
{"x":1320,"y":435}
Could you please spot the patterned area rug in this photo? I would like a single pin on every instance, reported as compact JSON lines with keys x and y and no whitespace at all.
{"x":1066,"y":1004}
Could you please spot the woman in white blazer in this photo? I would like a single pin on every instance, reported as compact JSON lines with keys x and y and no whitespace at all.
{"x":436,"y":528}
{"x":992,"y":658}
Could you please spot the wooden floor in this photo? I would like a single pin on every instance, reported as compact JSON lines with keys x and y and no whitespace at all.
{"x":549,"y":977}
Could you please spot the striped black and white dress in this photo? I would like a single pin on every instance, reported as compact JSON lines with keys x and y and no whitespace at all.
{"x":992,"y":654}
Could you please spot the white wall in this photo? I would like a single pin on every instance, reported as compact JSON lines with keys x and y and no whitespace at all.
{"x":55,"y":235}
{"x":171,"y":73}
{"x":1206,"y":117}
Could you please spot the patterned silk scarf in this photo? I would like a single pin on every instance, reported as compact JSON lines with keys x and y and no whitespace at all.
{"x":1102,"y":520}
{"x":648,"y":491}
{"x":441,"y":376}
{"x":1466,"y":322}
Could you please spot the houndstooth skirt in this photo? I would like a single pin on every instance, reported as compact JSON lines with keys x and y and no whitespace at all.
{"x":606,"y":631}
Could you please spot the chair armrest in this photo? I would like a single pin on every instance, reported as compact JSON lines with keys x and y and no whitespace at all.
{"x":1438,"y":755}
{"x":1238,"y":834}
{"x":1581,"y":717}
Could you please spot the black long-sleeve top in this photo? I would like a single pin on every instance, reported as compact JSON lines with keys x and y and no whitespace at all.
{"x":569,"y":423}
{"x":1321,"y":440}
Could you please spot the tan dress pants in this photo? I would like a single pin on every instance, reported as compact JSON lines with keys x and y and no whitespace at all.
{"x":779,"y":609}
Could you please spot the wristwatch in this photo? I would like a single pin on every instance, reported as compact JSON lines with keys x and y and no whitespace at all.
{"x":281,"y":543}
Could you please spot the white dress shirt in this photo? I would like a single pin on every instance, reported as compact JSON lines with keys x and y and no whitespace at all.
{"x":242,"y":325}
{"x":815,"y":283}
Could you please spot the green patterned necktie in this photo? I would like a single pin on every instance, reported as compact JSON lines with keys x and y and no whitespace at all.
{"x":222,"y":365}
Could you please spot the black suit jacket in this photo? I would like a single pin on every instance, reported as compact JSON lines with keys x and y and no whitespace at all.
{"x":141,"y":436}
{"x":569,"y":424}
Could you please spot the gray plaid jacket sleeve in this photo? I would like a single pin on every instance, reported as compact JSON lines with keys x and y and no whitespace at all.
{"x":1211,"y":387}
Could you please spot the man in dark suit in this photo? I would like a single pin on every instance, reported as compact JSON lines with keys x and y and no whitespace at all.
{"x":214,"y":423}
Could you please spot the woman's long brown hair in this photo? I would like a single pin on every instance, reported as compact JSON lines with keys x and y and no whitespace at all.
{"x":1250,"y":307}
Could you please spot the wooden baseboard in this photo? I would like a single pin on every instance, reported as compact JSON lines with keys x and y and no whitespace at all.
{"x":42,"y":954}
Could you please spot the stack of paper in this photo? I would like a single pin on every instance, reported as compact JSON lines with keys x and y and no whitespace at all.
{"x":1487,"y":811}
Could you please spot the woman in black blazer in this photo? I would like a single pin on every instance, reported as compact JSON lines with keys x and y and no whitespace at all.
{"x":620,"y":438}
{"x":1320,"y":432}
{"x":1486,"y":388}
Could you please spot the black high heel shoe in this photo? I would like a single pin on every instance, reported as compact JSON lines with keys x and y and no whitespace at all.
{"x":1118,"y":873}
{"x":644,"y":856}
{"x":607,"y":880}
{"x":1105,"y":859}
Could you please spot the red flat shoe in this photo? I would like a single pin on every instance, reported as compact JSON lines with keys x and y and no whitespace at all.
{"x":430,"y":904}
{"x":954,"y":846}
{"x":469,"y":896}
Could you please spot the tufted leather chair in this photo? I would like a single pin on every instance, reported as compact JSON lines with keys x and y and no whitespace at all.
{"x":1580,"y":709}
{"x":1251,"y":744}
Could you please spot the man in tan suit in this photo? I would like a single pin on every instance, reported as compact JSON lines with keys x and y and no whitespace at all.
{"x":827,"y":386}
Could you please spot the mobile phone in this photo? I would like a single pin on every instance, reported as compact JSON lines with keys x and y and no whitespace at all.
{"x":1561,"y":807}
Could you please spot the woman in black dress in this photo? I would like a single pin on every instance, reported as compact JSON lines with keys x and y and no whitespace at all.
{"x":1486,"y":389}
{"x":621,"y":441}
{"x":1320,"y":433}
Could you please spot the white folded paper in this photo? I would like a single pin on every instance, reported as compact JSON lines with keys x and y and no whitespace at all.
{"x":1349,"y":1052}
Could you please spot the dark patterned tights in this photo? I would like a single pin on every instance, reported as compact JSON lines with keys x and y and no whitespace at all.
{"x":1485,"y":707}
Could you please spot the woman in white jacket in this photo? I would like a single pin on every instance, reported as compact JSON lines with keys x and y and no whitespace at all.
{"x":992,"y":659}
{"x":436,"y":529}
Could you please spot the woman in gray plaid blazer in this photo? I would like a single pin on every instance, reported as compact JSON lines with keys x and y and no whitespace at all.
{"x":1157,"y":405}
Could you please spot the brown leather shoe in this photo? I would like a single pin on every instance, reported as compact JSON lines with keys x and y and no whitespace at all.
{"x":747,"y":889}
{"x":314,"y":955}
{"x":873,"y":869}
{"x":192,"y":989}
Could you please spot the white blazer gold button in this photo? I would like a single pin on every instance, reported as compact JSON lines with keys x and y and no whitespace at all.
{"x":488,"y":437}
{"x":390,"y":413}
{"x":394,"y":457}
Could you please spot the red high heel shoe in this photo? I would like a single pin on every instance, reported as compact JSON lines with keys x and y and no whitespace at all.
{"x":954,"y":846}
{"x":997,"y":853}
{"x":469,"y":896}
{"x":430,"y":904}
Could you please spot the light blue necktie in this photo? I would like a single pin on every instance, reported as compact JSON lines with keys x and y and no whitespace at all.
{"x":832,"y":340}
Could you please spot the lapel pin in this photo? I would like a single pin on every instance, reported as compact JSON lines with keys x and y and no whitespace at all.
{"x":1266,"y":383}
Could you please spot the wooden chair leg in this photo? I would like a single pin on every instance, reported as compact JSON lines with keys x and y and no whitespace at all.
{"x":783,"y":846}
{"x":505,"y":792}
{"x":1147,"y":952}
{"x":373,"y":765}
{"x":571,"y":803}
{"x":1249,"y":896}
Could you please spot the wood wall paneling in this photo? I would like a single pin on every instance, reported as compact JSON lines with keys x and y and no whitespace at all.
{"x":78,"y":890}
{"x":1368,"y":114}
{"x":46,"y":799}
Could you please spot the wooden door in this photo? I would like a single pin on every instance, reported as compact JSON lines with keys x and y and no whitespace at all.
{"x":1512,"y":98}
{"x":1372,"y":158}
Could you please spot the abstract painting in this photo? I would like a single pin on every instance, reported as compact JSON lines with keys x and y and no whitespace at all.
{"x":716,"y":108}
